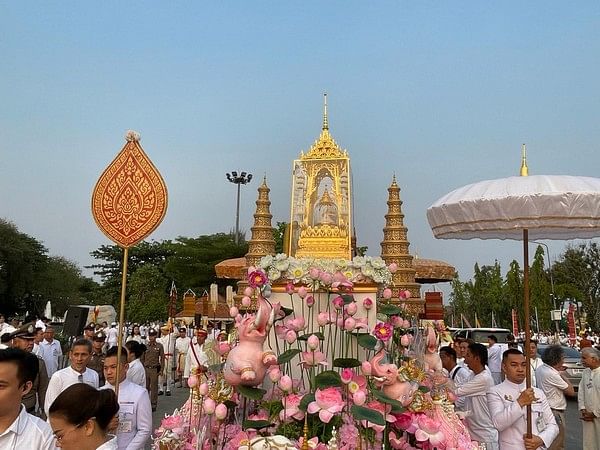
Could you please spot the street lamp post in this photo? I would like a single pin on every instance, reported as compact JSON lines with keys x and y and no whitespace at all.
{"x":551,"y":280}
{"x":242,"y":178}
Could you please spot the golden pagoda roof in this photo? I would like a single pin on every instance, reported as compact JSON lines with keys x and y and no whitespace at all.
{"x":325,"y":147}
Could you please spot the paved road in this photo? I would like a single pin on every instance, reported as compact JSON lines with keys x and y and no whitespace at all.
{"x":573,"y":437}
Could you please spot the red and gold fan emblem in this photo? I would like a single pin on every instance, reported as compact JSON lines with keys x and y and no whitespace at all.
{"x":130,"y":198}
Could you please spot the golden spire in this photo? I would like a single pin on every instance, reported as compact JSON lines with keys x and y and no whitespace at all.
{"x":325,"y":121}
{"x":524,"y":168}
{"x":262,"y":242}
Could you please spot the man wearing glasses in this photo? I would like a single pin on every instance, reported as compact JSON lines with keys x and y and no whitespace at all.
{"x":77,"y":372}
{"x":18,"y":429}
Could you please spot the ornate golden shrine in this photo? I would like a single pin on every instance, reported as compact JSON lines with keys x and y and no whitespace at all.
{"x":321,"y":216}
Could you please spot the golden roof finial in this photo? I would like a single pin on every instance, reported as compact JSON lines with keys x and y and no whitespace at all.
{"x":524,"y":168}
{"x":325,"y":121}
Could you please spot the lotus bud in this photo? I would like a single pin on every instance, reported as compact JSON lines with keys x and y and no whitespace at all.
{"x":338,"y":302}
{"x":221,"y":411}
{"x":368,"y":303}
{"x":359,"y":397}
{"x":349,"y":324}
{"x":248,"y":291}
{"x":291,"y":337}
{"x":405,"y":324}
{"x":393,"y":267}
{"x":285,"y":383}
{"x":192,"y":381}
{"x":405,"y":340}
{"x":387,"y":293}
{"x":251,"y":269}
{"x":351,"y":308}
{"x":302,"y":291}
{"x":313,"y":342}
{"x":275,"y":375}
{"x":323,"y":319}
{"x":366,"y":368}
{"x":314,"y":273}
{"x":326,"y":278}
{"x":347,"y":375}
{"x":310,"y":301}
{"x":289,"y":288}
{"x":233,"y":311}
{"x":246,"y":301}
{"x":203,"y":389}
{"x":209,"y":405}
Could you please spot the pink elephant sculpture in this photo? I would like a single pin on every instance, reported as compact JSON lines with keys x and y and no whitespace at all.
{"x":247,"y":362}
{"x":389,"y":382}
{"x":432,"y":358}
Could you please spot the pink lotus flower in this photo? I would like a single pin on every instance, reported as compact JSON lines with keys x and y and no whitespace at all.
{"x":341,"y":283}
{"x":367,"y":303}
{"x":297,"y":324}
{"x":289,"y":288}
{"x":313,"y":342}
{"x":400,"y":443}
{"x":246,"y":301}
{"x":274,"y":374}
{"x":327,"y":403}
{"x":222,"y":348}
{"x":173,"y":423}
{"x":349,"y":324}
{"x":257,"y":279}
{"x":221,"y":411}
{"x":403,"y":421}
{"x":385,"y":412}
{"x":404,"y":294}
{"x":291,"y":404}
{"x":387,"y":293}
{"x":383,"y":331}
{"x":233,"y":311}
{"x":405,"y":340}
{"x":285,"y":383}
{"x":393,"y":267}
{"x":310,"y":301}
{"x":314,"y":273}
{"x":429,"y":430}
{"x":291,"y":336}
{"x":359,"y":397}
{"x":203,"y":389}
{"x":209,"y":406}
{"x":326,"y":278}
{"x":311,"y":359}
{"x":361,"y":322}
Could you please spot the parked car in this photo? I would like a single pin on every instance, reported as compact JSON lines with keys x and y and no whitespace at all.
{"x":574,"y":368}
{"x":480,"y":335}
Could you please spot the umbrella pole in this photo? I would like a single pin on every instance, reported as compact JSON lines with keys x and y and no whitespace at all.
{"x":121,"y":318}
{"x":527,"y":328}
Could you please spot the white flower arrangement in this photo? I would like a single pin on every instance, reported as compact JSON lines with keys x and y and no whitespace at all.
{"x":310,"y":271}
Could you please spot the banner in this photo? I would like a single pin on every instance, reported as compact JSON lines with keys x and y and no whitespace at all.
{"x":571,"y":324}
{"x":515,"y":323}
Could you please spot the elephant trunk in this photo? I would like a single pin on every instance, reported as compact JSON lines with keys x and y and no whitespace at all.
{"x":376,"y":368}
{"x":263,"y":315}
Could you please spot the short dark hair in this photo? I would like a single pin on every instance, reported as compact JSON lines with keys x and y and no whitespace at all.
{"x":83,"y":343}
{"x":114,"y":352}
{"x":511,"y":351}
{"x":480,"y":352}
{"x":552,"y":355}
{"x":136,"y":348}
{"x":100,"y":405}
{"x":27,"y":364}
{"x":449,"y":351}
{"x":493,"y":338}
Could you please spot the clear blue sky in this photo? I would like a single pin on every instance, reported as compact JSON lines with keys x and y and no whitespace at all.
{"x":440,"y":93}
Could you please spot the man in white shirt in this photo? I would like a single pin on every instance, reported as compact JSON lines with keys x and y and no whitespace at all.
{"x":136,"y":372}
{"x":77,"y":372}
{"x":41,"y":324}
{"x":167,"y":340}
{"x":588,"y":398}
{"x":495,"y":351}
{"x":112,"y":335}
{"x":182,"y":345}
{"x":473,"y":392}
{"x":507,"y":403}
{"x":196,"y":359}
{"x":552,"y":380}
{"x":459,"y":375}
{"x":50,"y":351}
{"x":18,"y":429}
{"x":534,"y":360}
{"x":135,"y":411}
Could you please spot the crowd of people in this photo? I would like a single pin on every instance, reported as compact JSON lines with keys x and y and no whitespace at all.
{"x":41,"y":404}
{"x":490,"y":386}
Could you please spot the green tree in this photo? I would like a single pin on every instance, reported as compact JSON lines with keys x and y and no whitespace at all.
{"x":513,"y":294}
{"x":540,"y":290}
{"x":148,"y":295}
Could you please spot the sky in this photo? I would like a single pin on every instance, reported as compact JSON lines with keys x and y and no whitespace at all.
{"x":441,"y":94}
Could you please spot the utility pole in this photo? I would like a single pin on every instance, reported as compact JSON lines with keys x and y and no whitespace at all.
{"x":242,"y":178}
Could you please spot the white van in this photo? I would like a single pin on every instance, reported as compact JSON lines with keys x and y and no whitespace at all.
{"x":480,"y":335}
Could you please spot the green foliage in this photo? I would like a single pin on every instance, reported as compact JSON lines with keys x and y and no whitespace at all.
{"x":346,"y":362}
{"x":287,"y":355}
{"x":328,"y":378}
{"x":363,"y":413}
{"x":279,"y":237}
{"x":250,"y":392}
{"x":148,"y":295}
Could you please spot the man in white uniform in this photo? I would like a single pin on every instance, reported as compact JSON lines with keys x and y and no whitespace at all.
{"x":507,"y":402}
{"x":473,"y":393}
{"x":588,"y":398}
{"x":534,"y":360}
{"x":552,"y":380}
{"x":50,"y":351}
{"x":495,"y":351}
{"x":77,"y":372}
{"x":135,"y":411}
{"x":112,"y":335}
{"x":196,"y":358}
{"x":459,"y":375}
{"x":182,"y":345}
{"x":18,"y":429}
{"x":167,"y":340}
